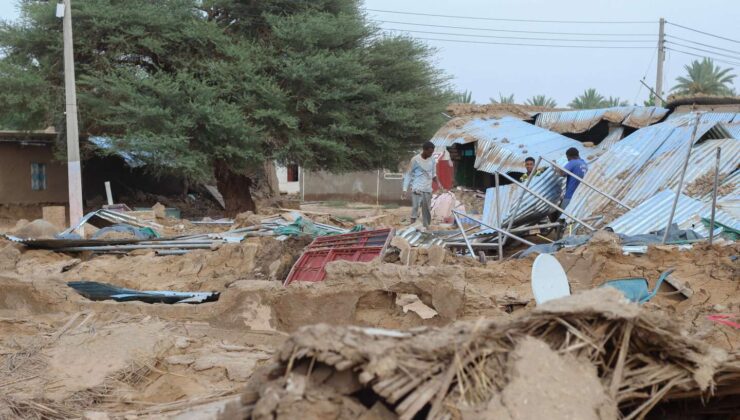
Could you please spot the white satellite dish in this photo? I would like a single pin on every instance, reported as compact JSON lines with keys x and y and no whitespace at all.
{"x":548,"y":279}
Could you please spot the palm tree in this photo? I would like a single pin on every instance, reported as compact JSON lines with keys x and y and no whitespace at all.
{"x":503,"y":99}
{"x":650,"y":101}
{"x":465,"y":97}
{"x":611,"y":102}
{"x":541,"y":100}
{"x":703,"y":77}
{"x":590,"y":99}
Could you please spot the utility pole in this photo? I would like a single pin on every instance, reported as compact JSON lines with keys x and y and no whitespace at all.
{"x":661,"y":58}
{"x":74,"y":170}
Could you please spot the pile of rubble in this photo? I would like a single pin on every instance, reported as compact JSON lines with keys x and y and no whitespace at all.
{"x":593,"y":355}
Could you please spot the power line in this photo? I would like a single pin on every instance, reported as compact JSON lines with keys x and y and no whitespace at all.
{"x":508,"y":19}
{"x":704,"y":56}
{"x":703,"y":45}
{"x":650,"y":64}
{"x":510,"y":30}
{"x":705,"y":33}
{"x":530,"y":45}
{"x":516,"y":37}
{"x":734,"y":57}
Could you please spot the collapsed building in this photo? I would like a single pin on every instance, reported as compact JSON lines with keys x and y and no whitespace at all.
{"x":634,"y":156}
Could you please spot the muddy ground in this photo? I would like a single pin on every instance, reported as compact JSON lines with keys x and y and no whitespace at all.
{"x":63,"y":356}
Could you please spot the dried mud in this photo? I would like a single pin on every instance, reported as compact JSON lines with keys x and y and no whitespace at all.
{"x":64,"y":355}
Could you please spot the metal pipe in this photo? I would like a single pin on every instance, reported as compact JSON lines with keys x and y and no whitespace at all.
{"x":465,"y":237}
{"x":458,"y":234}
{"x":128,"y":247}
{"x":680,"y":181}
{"x":548,"y":202}
{"x":522,"y":240}
{"x":498,"y":218}
{"x":527,"y":228}
{"x":714,"y":197}
{"x":521,"y":195}
{"x":587,"y":184}
{"x":172,"y":252}
{"x":473,"y":244}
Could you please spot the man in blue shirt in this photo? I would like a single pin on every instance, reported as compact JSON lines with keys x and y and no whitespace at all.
{"x":421,"y":173}
{"x":577,"y":166}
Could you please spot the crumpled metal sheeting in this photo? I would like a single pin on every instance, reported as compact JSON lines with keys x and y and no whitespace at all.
{"x":504,"y":143}
{"x":107,"y":217}
{"x":652,"y":215}
{"x":644,"y":116}
{"x":580,"y":121}
{"x":611,"y":139}
{"x":732,"y":129}
{"x":729,"y":202}
{"x":420,"y":239}
{"x":462,"y":131}
{"x":640,"y":165}
{"x":663,"y":171}
{"x":723,"y":117}
{"x":548,"y":184}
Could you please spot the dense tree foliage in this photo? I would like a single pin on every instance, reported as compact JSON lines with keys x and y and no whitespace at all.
{"x":704,"y":78}
{"x":194,"y":86}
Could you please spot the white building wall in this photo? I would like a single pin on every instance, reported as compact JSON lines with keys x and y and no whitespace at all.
{"x":284,"y":185}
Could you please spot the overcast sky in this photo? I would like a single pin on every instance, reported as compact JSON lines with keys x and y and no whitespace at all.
{"x":561,"y":73}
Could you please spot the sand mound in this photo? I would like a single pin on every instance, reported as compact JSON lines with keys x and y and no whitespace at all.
{"x":597,"y":361}
{"x":38,"y":229}
{"x":255,"y":258}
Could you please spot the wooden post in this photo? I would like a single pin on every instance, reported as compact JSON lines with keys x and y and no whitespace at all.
{"x":714,"y":197}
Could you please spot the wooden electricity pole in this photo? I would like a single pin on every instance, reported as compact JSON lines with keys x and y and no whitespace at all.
{"x":74,"y":171}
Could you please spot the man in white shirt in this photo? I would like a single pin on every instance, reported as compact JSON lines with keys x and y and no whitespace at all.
{"x":421,"y":173}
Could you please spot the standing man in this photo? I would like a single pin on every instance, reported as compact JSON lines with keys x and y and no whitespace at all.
{"x":420,"y":175}
{"x":577,"y":166}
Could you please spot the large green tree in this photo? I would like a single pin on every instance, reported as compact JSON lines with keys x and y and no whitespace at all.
{"x":703,"y":77}
{"x":212,"y":88}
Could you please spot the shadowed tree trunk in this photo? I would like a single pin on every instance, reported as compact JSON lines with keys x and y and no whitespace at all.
{"x":235,"y":189}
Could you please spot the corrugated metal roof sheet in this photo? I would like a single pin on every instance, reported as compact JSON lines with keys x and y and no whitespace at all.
{"x":548,"y":184}
{"x":503,"y":144}
{"x":723,"y":117}
{"x":578,"y":121}
{"x":649,"y":160}
{"x":733,"y":129}
{"x":652,"y":215}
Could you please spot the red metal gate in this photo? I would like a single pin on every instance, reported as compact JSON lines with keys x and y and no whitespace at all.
{"x":357,"y":246}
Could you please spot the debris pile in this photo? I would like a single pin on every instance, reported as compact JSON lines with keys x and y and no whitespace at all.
{"x":593,"y":355}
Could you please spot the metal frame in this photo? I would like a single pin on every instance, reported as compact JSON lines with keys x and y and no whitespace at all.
{"x":465,"y":237}
{"x":586,"y":183}
{"x":521,"y":195}
{"x":510,"y":235}
{"x":680,"y":181}
{"x":547,"y":201}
